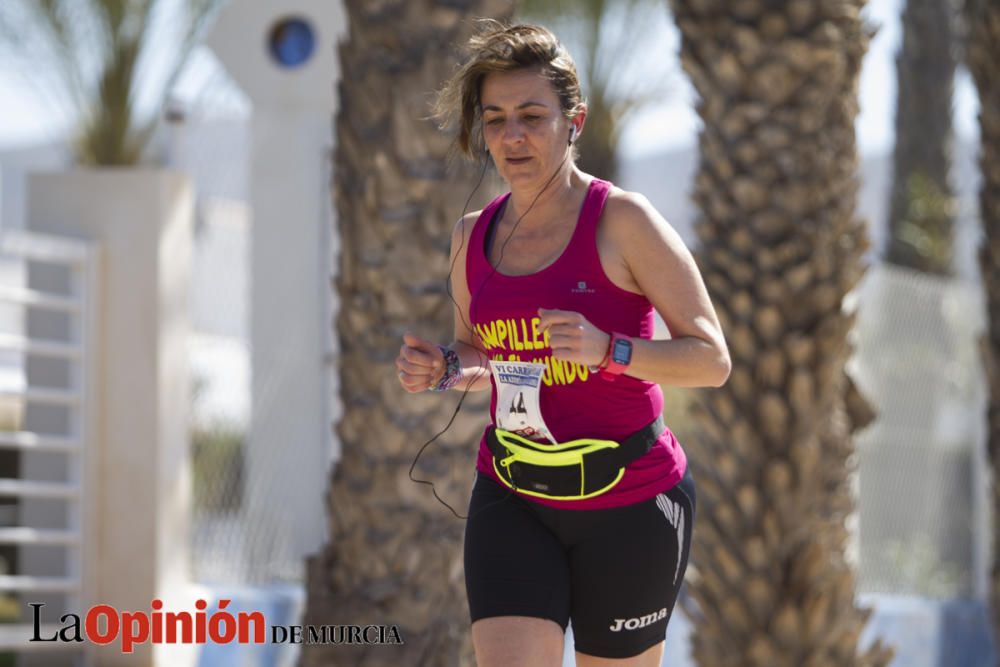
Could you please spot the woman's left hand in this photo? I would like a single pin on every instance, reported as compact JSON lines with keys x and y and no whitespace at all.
{"x":573,"y":338}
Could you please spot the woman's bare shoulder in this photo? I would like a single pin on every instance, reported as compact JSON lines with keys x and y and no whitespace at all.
{"x":631,"y":216}
{"x":464,"y":225}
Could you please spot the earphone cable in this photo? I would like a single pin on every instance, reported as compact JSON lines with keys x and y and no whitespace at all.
{"x":484,"y":366}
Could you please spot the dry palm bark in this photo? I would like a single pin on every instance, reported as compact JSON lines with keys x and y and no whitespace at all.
{"x":395,"y":555}
{"x":920,"y":217}
{"x":781,"y":247}
{"x":983,"y":56}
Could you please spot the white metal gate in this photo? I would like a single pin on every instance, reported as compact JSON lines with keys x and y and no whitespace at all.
{"x":50,"y":523}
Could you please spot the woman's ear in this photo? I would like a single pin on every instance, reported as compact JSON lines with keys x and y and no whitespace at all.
{"x":576,"y":122}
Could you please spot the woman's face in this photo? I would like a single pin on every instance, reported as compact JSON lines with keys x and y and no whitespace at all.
{"x":524,"y":128}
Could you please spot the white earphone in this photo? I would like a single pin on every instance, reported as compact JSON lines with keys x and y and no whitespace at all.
{"x":572,"y":133}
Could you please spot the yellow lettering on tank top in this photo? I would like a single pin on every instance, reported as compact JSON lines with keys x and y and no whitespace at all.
{"x":558,"y":372}
{"x":528,"y":345}
{"x":489,"y":334}
{"x":501,"y":333}
{"x":535,"y":321}
{"x":512,"y":332}
{"x":504,"y":334}
{"x":570,"y":372}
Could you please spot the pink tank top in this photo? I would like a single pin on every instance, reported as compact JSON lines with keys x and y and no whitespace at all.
{"x":574,"y":402}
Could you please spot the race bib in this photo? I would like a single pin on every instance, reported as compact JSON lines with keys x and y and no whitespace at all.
{"x":518,"y":384}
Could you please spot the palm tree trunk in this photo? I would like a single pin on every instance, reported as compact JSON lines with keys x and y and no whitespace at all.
{"x":920,"y":217}
{"x":395,"y":553}
{"x":781,"y":247}
{"x":983,"y":54}
{"x":597,"y":143}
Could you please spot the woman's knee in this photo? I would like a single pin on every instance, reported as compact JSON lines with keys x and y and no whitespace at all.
{"x":651,"y":657}
{"x":518,"y":641}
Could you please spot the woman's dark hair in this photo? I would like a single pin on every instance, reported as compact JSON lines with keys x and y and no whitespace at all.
{"x":497,"y":47}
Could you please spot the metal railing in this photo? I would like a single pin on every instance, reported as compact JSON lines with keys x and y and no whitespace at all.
{"x":78,"y":261}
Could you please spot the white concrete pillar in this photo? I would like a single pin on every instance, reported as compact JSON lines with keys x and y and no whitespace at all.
{"x":141,"y":499}
{"x":290,"y":446}
{"x":288,"y":443}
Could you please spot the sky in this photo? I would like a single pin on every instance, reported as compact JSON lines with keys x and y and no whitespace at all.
{"x":675,"y":123}
{"x":672,"y":123}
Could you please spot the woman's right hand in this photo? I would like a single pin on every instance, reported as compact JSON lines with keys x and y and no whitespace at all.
{"x":421,"y":364}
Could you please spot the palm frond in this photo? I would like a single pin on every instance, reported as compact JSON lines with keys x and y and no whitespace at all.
{"x":199,"y":13}
{"x":546,"y":10}
{"x":619,"y":50}
{"x":97,"y":51}
{"x":56,"y":24}
{"x":12,"y":17}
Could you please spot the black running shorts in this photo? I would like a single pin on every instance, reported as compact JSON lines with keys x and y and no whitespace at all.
{"x":615,"y":572}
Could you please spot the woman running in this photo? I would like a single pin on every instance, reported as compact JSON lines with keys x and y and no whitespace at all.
{"x":583,"y":505}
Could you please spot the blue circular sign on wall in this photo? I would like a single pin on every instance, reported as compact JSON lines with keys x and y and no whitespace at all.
{"x":291,"y":42}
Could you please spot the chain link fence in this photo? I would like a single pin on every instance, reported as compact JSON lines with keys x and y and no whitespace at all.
{"x":248,"y":527}
{"x":922,"y":479}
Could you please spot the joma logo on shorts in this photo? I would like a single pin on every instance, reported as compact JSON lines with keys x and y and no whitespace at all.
{"x":641,"y":622}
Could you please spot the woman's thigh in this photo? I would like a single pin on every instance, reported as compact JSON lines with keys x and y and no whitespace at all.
{"x":627,"y":573}
{"x":514,"y":565}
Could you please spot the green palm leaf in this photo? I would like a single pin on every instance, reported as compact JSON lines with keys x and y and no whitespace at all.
{"x":90,"y":56}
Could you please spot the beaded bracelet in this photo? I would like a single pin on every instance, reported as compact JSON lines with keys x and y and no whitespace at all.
{"x":452,"y":371}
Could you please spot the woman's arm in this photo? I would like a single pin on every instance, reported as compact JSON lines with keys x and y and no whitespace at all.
{"x":665,"y":271}
{"x":474,"y":361}
{"x":662,"y":268}
{"x":421,"y":364}
{"x":475,"y":367}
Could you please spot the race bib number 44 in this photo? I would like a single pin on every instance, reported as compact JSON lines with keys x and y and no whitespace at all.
{"x":518,"y":410}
